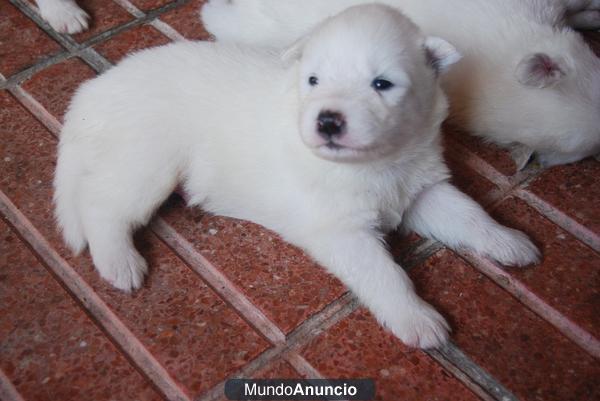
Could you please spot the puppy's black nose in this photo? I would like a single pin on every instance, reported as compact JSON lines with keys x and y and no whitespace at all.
{"x":330,"y":124}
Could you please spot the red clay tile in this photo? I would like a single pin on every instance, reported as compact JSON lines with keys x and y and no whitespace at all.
{"x":498,"y":158}
{"x":49,"y":348}
{"x":22,"y":43}
{"x":568,"y":277}
{"x":147,"y":5}
{"x":130,"y":41}
{"x":104,"y":16}
{"x":524,"y":352}
{"x":186,"y":20}
{"x":466,"y":179}
{"x":197,"y":337}
{"x":278,"y":369}
{"x":279,"y":278}
{"x":193,"y":333}
{"x":357,"y":347}
{"x":574,"y":189}
{"x":54,"y":86}
{"x":403,"y":246}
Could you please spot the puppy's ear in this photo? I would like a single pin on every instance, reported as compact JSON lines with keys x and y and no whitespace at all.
{"x":440,"y":54}
{"x":540,"y":70}
{"x":294,"y":51}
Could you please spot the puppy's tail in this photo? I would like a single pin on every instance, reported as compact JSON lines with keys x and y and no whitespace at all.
{"x":67,"y":179}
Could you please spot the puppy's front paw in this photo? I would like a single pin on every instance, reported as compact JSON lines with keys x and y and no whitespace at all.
{"x":125,"y":272}
{"x":512,"y":248}
{"x":420,"y":327}
{"x":65,"y":16}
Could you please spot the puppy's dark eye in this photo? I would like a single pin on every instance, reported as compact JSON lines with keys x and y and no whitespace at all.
{"x":313,"y":81}
{"x":381,"y":84}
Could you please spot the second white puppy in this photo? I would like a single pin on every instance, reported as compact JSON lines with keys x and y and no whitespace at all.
{"x":525,"y":77}
{"x":330,"y":147}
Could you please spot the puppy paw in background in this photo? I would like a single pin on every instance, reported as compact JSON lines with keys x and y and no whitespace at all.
{"x":64,"y":16}
{"x":583,"y":14}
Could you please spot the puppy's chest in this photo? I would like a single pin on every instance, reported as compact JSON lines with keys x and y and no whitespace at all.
{"x":389,"y":204}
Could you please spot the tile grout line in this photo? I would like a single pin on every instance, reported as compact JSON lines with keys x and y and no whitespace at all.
{"x":517,"y":289}
{"x":8,"y":391}
{"x":477,"y":380}
{"x":561,"y":219}
{"x":167,"y":30}
{"x":84,"y":50}
{"x":30,"y":71}
{"x":479,"y":165}
{"x":152,"y":17}
{"x":38,"y":111}
{"x":130,"y":8}
{"x":461,"y":376}
{"x":471,"y":375}
{"x":89,"y":55}
{"x":32,"y":12}
{"x":129,"y":344}
{"x":156,"y":23}
{"x":450,"y":357}
{"x":218,"y":281}
{"x":229,"y":292}
{"x":325,"y":318}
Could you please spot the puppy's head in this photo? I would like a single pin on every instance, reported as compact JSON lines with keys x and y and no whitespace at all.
{"x":368,"y":83}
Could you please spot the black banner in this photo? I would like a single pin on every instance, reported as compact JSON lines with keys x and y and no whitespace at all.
{"x":304,"y":390}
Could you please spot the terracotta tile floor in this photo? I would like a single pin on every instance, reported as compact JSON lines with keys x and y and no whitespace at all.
{"x":227,"y":298}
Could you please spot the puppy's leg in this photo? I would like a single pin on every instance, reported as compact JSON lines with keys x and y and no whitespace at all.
{"x":358,"y":258}
{"x":114,"y":204}
{"x":64,"y":16}
{"x":446,"y":214}
{"x":113,"y":251}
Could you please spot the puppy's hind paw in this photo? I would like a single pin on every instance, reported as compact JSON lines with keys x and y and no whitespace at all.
{"x":422,"y":327}
{"x":126,"y":272}
{"x":513,"y":248}
{"x":65,"y":16}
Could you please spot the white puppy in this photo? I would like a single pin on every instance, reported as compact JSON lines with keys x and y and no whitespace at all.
{"x":330,"y":147}
{"x":525,"y":77}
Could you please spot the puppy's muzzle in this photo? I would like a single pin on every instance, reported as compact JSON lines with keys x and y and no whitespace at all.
{"x":330,"y":124}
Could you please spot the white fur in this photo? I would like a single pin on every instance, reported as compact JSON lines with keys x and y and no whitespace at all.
{"x":557,"y":117}
{"x":64,"y":16}
{"x":236,"y":127}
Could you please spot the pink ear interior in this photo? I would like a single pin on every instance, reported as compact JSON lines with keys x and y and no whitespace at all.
{"x":540,"y":70}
